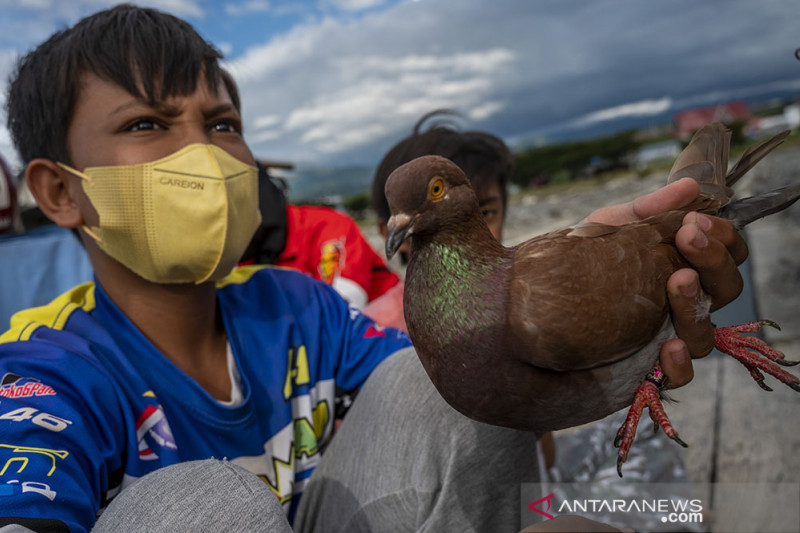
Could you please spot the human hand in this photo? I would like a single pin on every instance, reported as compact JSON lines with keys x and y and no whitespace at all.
{"x":713,"y":248}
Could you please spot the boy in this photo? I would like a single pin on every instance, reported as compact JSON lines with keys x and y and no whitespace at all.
{"x":130,"y":132}
{"x":111,"y":361}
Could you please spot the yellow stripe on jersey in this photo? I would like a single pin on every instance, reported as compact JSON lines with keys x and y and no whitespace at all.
{"x":243,"y":274}
{"x":239,"y":275}
{"x":53,"y":315}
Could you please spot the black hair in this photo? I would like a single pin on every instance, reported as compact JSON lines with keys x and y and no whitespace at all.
{"x":483,"y":157}
{"x":149,"y":53}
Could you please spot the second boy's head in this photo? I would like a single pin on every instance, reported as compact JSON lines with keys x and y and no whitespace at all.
{"x":484,"y":158}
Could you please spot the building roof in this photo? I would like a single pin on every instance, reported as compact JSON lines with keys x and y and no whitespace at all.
{"x":689,"y":121}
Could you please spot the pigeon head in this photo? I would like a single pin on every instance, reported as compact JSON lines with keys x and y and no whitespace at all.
{"x":425,"y":196}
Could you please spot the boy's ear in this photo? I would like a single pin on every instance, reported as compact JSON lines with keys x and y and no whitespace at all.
{"x":49,"y":185}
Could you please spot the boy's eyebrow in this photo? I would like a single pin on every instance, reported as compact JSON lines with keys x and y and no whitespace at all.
{"x":220,"y":109}
{"x":160,"y":106}
{"x":172,"y":110}
{"x":489,"y":200}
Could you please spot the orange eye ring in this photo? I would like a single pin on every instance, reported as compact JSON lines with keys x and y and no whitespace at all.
{"x":436,"y":189}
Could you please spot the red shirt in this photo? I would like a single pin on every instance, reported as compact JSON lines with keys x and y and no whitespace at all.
{"x":329,"y":246}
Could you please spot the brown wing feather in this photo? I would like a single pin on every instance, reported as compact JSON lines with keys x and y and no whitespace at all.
{"x":615,"y":281}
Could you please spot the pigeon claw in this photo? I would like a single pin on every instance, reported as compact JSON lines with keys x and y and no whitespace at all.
{"x":758,"y":377}
{"x":648,"y":394}
{"x":756,"y":355}
{"x":677,"y":439}
{"x":764,"y":386}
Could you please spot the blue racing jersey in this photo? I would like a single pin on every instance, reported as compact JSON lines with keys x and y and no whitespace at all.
{"x":88,"y":404}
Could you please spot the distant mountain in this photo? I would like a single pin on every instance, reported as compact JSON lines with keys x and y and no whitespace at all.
{"x":314,"y":183}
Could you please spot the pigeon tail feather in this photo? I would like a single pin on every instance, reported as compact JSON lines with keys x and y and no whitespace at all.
{"x":744,"y":211}
{"x":753,"y":155}
{"x":705,"y":160}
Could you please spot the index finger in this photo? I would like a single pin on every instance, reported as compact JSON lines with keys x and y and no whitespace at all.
{"x":671,"y":196}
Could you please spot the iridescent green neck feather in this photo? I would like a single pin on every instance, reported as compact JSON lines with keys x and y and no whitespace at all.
{"x":464,"y":287}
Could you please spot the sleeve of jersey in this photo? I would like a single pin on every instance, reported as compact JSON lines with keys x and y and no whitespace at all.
{"x":61,"y":437}
{"x":362,"y":344}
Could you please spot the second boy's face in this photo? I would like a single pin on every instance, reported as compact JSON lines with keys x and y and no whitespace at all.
{"x":490,"y":201}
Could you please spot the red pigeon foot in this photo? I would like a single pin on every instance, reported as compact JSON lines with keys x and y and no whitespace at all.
{"x":755,"y":354}
{"x":649,"y":394}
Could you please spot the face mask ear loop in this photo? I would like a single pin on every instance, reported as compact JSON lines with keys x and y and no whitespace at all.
{"x":74,"y":172}
{"x":91,"y":233}
{"x":88,"y":178}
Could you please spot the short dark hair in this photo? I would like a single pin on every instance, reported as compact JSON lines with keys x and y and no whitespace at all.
{"x":483,"y":157}
{"x":148,"y":53}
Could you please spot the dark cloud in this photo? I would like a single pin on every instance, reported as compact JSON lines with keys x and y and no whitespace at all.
{"x":573,"y":58}
{"x":339,"y":89}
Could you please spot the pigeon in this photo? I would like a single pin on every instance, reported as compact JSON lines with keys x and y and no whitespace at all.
{"x":565,"y":328}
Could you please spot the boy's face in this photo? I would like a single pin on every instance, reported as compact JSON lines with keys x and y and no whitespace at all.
{"x":113,"y":127}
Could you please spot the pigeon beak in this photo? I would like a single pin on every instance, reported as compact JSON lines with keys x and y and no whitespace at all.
{"x":399,"y":228}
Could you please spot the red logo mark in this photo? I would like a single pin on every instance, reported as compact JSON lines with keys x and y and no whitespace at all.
{"x":330,"y":261}
{"x":374,"y":331}
{"x":533,"y":507}
{"x":14,"y":386}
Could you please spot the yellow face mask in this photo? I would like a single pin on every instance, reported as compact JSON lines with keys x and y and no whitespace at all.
{"x":185,"y":218}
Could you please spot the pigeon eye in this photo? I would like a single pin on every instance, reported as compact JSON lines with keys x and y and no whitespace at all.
{"x":436,"y":189}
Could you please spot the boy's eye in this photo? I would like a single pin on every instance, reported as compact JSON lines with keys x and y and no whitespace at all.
{"x":144,"y":125}
{"x":226,"y":126}
{"x":489,"y":214}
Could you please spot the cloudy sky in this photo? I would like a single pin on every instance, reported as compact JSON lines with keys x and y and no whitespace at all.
{"x":336,"y":82}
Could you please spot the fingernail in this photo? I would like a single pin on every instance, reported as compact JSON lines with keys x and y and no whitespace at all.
{"x":700,"y":240}
{"x":679,"y":356}
{"x":690,"y":290}
{"x":704,"y":222}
